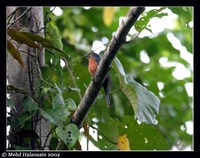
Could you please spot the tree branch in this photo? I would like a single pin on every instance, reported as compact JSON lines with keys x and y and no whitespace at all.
{"x":95,"y":85}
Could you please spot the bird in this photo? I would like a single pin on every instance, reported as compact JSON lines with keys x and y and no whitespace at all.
{"x":93,"y":62}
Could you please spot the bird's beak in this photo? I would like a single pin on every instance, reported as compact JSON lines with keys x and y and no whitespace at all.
{"x":88,"y":55}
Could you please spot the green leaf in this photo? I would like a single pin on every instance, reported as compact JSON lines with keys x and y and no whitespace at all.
{"x":119,"y":67}
{"x":142,"y":137}
{"x":25,"y":116}
{"x":50,"y":116}
{"x":107,"y":134}
{"x":29,"y":104}
{"x":62,"y":113}
{"x":69,"y":136}
{"x":53,"y":143}
{"x":107,"y":126}
{"x":147,"y":103}
{"x":20,"y":37}
{"x":13,"y":122}
{"x":14,"y":53}
{"x":53,"y":35}
{"x":144,"y":103}
{"x":142,"y":23}
{"x":71,"y":104}
{"x":183,"y":12}
{"x":57,"y":101}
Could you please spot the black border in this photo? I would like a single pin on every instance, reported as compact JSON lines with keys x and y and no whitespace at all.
{"x":102,"y":3}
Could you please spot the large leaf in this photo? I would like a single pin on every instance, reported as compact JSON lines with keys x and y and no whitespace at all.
{"x":20,"y":37}
{"x":142,"y":137}
{"x":144,"y":103}
{"x":14,"y":53}
{"x":69,"y":135}
{"x":148,"y":103}
{"x":107,"y":132}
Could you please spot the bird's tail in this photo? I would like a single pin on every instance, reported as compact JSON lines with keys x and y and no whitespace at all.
{"x":106,"y":87}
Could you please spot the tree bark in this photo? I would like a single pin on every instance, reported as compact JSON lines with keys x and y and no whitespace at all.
{"x":27,"y":78}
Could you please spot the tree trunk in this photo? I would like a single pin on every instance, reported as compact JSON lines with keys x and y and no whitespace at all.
{"x":27,"y":78}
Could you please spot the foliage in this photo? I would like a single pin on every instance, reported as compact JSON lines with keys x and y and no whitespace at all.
{"x":69,"y":37}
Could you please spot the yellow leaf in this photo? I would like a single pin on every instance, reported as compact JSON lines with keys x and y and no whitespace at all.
{"x":123,"y":143}
{"x":108,"y":14}
{"x":20,"y":37}
{"x":14,"y":53}
{"x":37,"y":38}
{"x":45,"y":42}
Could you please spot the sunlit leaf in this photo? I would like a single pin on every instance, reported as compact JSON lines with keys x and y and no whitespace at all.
{"x":57,"y":101}
{"x":184,"y":13}
{"x":20,"y":37}
{"x":14,"y":53}
{"x":71,"y":103}
{"x":53,"y":35}
{"x":69,"y":135}
{"x":108,"y":14}
{"x":144,"y":103}
{"x":123,"y":143}
{"x":142,"y":23}
{"x":148,"y":103}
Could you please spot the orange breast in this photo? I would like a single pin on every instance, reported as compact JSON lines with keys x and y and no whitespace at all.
{"x":92,"y":66}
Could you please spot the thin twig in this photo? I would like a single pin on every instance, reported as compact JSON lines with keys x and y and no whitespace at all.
{"x":72,"y":77}
{"x":19,"y":17}
{"x":78,"y":59}
{"x":132,"y":39}
{"x":48,"y":136}
{"x":13,"y":12}
{"x":59,"y":144}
